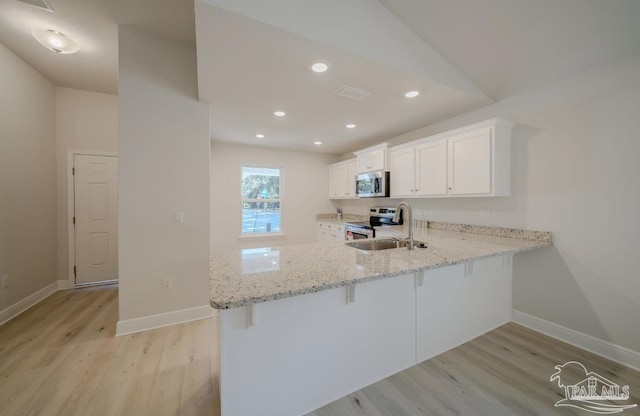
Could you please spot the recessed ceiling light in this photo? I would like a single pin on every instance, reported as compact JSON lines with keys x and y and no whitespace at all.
{"x":412,"y":94}
{"x":317,"y":143}
{"x":280,"y":113}
{"x":55,"y":41}
{"x":319,"y":66}
{"x":260,"y":136}
{"x":350,"y":126}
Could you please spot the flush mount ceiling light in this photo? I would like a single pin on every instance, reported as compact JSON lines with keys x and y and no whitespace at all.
{"x":350,"y":126}
{"x":412,"y":94}
{"x":260,"y":136}
{"x":317,"y":143}
{"x":279,"y":113}
{"x":55,"y":41}
{"x":319,"y":66}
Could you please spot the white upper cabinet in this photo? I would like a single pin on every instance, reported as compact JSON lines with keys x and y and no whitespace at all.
{"x":419,"y":170}
{"x":431,"y":169}
{"x":479,"y":159}
{"x":402,"y":176}
{"x":470,"y":161}
{"x":352,"y":171}
{"x":372,"y":158}
{"x":342,"y":180}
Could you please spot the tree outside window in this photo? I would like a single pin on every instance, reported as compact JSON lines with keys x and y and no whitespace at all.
{"x":261,"y":211}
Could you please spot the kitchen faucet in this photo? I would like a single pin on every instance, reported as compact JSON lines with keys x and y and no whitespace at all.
{"x":396,"y":217}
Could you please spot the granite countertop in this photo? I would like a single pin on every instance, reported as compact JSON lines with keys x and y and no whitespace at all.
{"x":249,"y":276}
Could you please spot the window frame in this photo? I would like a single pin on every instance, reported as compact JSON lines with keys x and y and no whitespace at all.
{"x":271,"y":234}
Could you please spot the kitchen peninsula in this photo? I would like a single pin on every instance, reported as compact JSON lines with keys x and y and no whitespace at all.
{"x":301,"y":326}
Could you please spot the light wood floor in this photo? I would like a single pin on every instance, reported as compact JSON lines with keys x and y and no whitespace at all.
{"x":61,"y":358}
{"x":504,"y":372}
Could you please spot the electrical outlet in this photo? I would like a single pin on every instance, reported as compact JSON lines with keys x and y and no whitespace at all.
{"x":167,"y":283}
{"x":484,"y":215}
{"x":5,"y":281}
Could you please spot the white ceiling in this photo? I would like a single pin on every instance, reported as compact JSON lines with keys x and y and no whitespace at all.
{"x":253,"y":56}
{"x":507,"y":47}
{"x":94,"y":25}
{"x":248,"y":69}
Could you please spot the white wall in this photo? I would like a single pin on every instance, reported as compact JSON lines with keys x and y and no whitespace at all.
{"x":27,"y":179}
{"x":304,"y":194}
{"x":576,"y":151}
{"x":88,"y":121}
{"x":163,"y":168}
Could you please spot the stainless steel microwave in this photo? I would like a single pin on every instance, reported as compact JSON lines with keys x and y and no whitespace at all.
{"x":372,"y":184}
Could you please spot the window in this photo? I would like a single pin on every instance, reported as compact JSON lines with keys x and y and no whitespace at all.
{"x":261,"y":189}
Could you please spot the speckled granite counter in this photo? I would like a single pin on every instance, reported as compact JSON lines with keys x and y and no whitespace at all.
{"x":243,"y":277}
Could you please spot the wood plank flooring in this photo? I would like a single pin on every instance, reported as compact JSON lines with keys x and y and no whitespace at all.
{"x":61,"y":358}
{"x":505,"y":372}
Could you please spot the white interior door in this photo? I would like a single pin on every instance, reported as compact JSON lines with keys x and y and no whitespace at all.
{"x":96,"y":218}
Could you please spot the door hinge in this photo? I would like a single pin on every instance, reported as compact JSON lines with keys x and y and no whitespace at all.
{"x":75,"y":273}
{"x":73,"y":171}
{"x":74,"y":220}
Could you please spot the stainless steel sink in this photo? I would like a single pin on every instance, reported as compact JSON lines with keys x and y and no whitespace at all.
{"x":385,"y":244}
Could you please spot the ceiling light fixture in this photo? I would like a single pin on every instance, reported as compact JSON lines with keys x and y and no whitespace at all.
{"x":279,"y":113}
{"x":350,"y":126}
{"x":55,"y":41}
{"x":319,"y":66}
{"x":260,"y":136}
{"x":412,"y":94}
{"x":317,"y":143}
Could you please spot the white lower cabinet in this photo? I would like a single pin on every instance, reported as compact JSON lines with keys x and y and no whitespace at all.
{"x":329,"y":232}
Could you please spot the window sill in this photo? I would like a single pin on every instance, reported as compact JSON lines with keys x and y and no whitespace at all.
{"x":261,"y":235}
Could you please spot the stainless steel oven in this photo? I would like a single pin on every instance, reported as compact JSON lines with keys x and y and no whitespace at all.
{"x":378,"y":217}
{"x":359,"y":231}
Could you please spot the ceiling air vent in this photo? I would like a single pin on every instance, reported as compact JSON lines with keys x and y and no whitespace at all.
{"x":40,"y":4}
{"x":352,"y":93}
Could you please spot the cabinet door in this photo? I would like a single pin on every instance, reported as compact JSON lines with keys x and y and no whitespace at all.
{"x":365,"y":163}
{"x":402,"y":172}
{"x":334,"y":182}
{"x":470,"y":163}
{"x":352,"y":171}
{"x":378,"y":159}
{"x":431,"y":168}
{"x":342,"y":181}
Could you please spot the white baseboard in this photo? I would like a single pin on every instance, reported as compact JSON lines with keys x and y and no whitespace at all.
{"x":21,"y":306}
{"x":145,"y":323}
{"x":600,"y":347}
{"x":64,"y":285}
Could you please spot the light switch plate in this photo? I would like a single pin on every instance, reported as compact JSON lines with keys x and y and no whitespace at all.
{"x":5,"y":281}
{"x":179,"y":218}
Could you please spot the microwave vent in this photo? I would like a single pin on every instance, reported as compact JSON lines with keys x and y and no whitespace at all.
{"x":352,"y":93}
